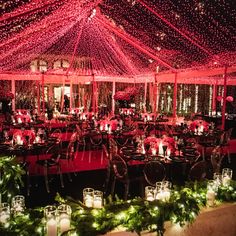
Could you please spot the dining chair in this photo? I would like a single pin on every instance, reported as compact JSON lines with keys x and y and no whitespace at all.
{"x":51,"y":160}
{"x":198,"y":171}
{"x":95,"y":138}
{"x":68,"y":154}
{"x":224,"y":142}
{"x":154,"y":171}
{"x":56,"y":135}
{"x":120,"y":172}
{"x":216,"y":159}
{"x":108,"y":167}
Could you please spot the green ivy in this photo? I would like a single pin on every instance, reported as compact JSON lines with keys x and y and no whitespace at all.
{"x":10,"y":177}
{"x":135,"y":215}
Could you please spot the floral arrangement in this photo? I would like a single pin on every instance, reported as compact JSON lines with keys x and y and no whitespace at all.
{"x":6,"y":95}
{"x":122,"y":96}
{"x":199,"y":124}
{"x":127,"y":94}
{"x":108,"y":125}
{"x":165,"y":140}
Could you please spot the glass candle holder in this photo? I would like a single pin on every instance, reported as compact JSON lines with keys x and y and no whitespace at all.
{"x":88,"y":197}
{"x":5,"y":212}
{"x":163,"y":190}
{"x":50,"y":213}
{"x":150,"y":192}
{"x":18,"y":204}
{"x":227,"y":174}
{"x":98,"y":199}
{"x":217,"y":177}
{"x":64,"y":216}
{"x":211,"y":193}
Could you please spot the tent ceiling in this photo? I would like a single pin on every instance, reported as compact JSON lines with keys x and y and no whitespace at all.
{"x":126,"y":37}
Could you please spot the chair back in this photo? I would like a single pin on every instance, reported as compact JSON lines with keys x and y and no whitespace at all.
{"x":71,"y":149}
{"x":216,"y":159}
{"x":107,"y":155}
{"x":119,"y":167}
{"x":54,"y":152}
{"x":95,"y":138}
{"x":154,"y":171}
{"x":198,"y":171}
{"x":57,"y":134}
{"x":113,"y":148}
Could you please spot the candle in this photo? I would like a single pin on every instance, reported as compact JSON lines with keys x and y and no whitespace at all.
{"x":201,"y":129}
{"x":51,"y":227}
{"x":88,"y":201}
{"x":226,"y":180}
{"x":50,"y":213}
{"x":98,"y":199}
{"x":64,"y":212}
{"x":154,"y":151}
{"x":168,"y":152}
{"x":4,"y":212}
{"x":210,"y":196}
{"x":227,"y":174}
{"x":166,"y":195}
{"x":88,"y":197}
{"x":161,"y":151}
{"x":159,"y":195}
{"x":18,"y":139}
{"x":18,"y":204}
{"x":64,"y":223}
{"x":149,"y":193}
{"x":97,"y":203}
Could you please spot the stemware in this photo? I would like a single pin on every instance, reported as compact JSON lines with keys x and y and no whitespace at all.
{"x":164,"y":149}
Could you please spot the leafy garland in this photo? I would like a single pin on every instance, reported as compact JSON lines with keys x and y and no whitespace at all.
{"x":10,"y":177}
{"x":134,"y":215}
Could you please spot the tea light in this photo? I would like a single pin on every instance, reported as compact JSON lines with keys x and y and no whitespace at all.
{"x":4,"y":212}
{"x":18,"y":204}
{"x":168,"y":152}
{"x":149,"y":193}
{"x":64,"y":212}
{"x":51,"y":222}
{"x":106,"y":127}
{"x":18,"y":139}
{"x":226,"y":176}
{"x":88,"y":197}
{"x":201,"y":129}
{"x":154,"y":151}
{"x":98,"y":199}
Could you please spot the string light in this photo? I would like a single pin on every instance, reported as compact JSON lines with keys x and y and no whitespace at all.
{"x":31,"y":29}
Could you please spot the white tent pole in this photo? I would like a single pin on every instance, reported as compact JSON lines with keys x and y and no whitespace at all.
{"x":145,"y":95}
{"x":62,"y":93}
{"x":13,"y":90}
{"x":113,"y":94}
{"x":71,"y":93}
{"x":175,"y":97}
{"x":214,"y":92}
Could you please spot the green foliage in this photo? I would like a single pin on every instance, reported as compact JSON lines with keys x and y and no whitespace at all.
{"x":134,"y":215}
{"x":10,"y":177}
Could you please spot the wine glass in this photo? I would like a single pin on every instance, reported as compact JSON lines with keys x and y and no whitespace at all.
{"x":164,"y":149}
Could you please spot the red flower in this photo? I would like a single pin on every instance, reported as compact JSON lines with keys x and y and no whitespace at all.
{"x":122,"y":95}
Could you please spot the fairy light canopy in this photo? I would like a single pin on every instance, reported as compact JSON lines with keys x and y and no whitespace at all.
{"x":109,"y":37}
